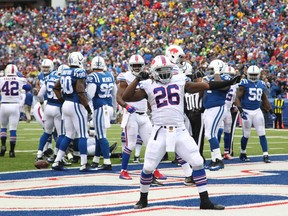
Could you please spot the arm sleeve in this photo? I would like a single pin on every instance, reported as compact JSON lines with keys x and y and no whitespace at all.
{"x":91,"y":89}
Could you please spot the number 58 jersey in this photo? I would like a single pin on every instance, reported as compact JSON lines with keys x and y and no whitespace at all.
{"x":10,"y":88}
{"x":252,"y":97}
{"x":166,"y":100}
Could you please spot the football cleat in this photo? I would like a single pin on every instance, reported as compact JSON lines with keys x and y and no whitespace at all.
{"x":188,"y":181}
{"x":266,"y":159}
{"x":48,"y":152}
{"x":86,"y":168}
{"x":58,"y":166}
{"x":124,"y":175}
{"x":159,"y":175}
{"x":243,"y":157}
{"x":11,"y":154}
{"x":216,"y":165}
{"x":3,"y":150}
{"x":105,"y":167}
{"x":94,"y":165}
{"x":75,"y":159}
{"x":211,"y":206}
{"x":136,"y":160}
{"x":155,"y":182}
{"x":141,"y":204}
{"x":66,"y":162}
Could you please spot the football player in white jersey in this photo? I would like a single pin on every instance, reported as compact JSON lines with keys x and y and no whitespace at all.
{"x":135,"y":119}
{"x":165,"y":93}
{"x":249,"y":97}
{"x":70,"y":89}
{"x":10,"y":86}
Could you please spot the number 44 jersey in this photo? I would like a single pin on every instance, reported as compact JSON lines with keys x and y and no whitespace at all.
{"x":252,"y":97}
{"x":166,"y":100}
{"x":10,"y":88}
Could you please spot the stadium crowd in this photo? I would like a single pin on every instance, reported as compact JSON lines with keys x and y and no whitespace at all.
{"x":238,"y":32}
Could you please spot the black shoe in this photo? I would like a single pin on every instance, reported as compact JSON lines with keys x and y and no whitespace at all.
{"x":266,"y":159}
{"x":141,"y":204}
{"x":94,"y":165}
{"x":243,"y":157}
{"x":105,"y":167}
{"x":3,"y":150}
{"x":113,"y":147}
{"x":58,"y":166}
{"x":11,"y":154}
{"x":66,"y":162}
{"x":48,"y":152}
{"x":86,"y":168}
{"x":216,"y":165}
{"x":75,"y":159}
{"x":209,"y":205}
{"x":155,"y":182}
{"x":51,"y":159}
{"x":136,"y":160}
{"x":188,"y":181}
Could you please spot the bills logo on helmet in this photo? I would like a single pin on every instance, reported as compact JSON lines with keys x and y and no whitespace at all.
{"x":174,"y":50}
{"x":153,"y":62}
{"x":163,"y":60}
{"x":136,"y":58}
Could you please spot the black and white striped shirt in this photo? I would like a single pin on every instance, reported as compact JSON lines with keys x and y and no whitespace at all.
{"x":193,"y":101}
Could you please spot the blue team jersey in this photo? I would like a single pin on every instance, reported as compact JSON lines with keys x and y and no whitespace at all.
{"x":105,"y":83}
{"x":68,"y":81}
{"x":252,"y":97}
{"x":42,"y":78}
{"x":50,"y":81}
{"x":215,"y":98}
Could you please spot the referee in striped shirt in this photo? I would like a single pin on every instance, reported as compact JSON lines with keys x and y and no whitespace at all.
{"x":194,"y":110}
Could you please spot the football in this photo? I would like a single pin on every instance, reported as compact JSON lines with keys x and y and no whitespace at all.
{"x":41,"y":164}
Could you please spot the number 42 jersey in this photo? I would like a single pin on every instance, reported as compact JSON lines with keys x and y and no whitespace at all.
{"x":252,"y":97}
{"x":10,"y":89}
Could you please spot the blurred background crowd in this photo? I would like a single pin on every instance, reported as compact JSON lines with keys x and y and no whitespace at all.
{"x":239,"y":32}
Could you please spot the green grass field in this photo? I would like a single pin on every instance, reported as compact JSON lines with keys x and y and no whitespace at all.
{"x":28,"y":137}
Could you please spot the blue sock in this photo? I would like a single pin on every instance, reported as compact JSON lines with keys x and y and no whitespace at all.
{"x":263,"y":143}
{"x":59,"y":140}
{"x":82,"y":145}
{"x":199,"y":176}
{"x":244,"y":142}
{"x":227,"y":138}
{"x":146,"y":179}
{"x":65,"y":143}
{"x":43,"y":140}
{"x":104,"y":146}
{"x":125,"y":158}
{"x":75,"y":144}
{"x":97,"y":148}
{"x":214,"y":143}
{"x":220,"y":131}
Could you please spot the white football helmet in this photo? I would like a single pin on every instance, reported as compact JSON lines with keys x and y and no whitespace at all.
{"x":11,"y":70}
{"x":162,"y":69}
{"x":98,"y":63}
{"x":187,"y":69}
{"x":47,"y":66}
{"x":61,"y":68}
{"x":76,"y":59}
{"x":176,"y":55}
{"x":253,"y":73}
{"x":136,"y":64}
{"x":215,"y":65}
{"x":229,"y":70}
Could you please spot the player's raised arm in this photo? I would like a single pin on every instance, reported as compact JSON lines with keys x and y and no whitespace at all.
{"x":132,"y":94}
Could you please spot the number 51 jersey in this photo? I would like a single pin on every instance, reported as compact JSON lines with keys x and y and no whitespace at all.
{"x":252,"y":97}
{"x":166,"y":100}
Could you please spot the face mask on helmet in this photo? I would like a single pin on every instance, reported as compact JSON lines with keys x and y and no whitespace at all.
{"x":162,"y":69}
{"x":215,"y":65}
{"x":47,"y":66}
{"x":253,"y":73}
{"x":136,"y":64}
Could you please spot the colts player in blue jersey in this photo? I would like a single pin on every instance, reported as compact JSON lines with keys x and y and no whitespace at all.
{"x":215,"y":111}
{"x":101,"y":88}
{"x":70,"y":89}
{"x":52,"y":111}
{"x":249,"y":97}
